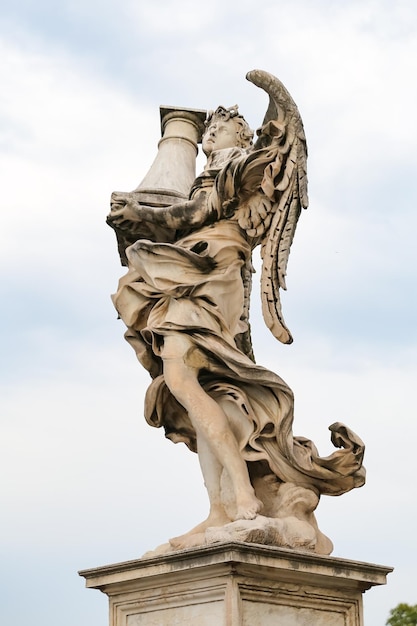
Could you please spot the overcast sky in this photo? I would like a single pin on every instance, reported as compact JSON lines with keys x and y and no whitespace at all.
{"x":85,"y":481}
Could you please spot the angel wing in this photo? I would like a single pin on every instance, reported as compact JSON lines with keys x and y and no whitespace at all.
{"x":272,"y":191}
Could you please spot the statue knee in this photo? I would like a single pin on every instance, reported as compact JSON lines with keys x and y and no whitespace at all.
{"x":180,"y":376}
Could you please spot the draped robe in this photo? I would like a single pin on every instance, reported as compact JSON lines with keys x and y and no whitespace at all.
{"x":194,"y":286}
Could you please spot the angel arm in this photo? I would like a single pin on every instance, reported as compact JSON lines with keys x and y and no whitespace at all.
{"x":126,"y":212}
{"x":131,"y":220}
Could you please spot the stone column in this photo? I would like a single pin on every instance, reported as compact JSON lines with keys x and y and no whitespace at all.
{"x":172,"y":173}
{"x":173,"y":169}
{"x":236,"y":584}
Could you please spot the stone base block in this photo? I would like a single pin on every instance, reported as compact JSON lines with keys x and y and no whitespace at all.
{"x":236,"y":584}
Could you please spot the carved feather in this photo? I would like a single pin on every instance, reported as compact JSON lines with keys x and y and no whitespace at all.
{"x":264,"y":191}
{"x":285,"y":183}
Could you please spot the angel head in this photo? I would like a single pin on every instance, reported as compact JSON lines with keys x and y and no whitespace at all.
{"x":225,"y":128}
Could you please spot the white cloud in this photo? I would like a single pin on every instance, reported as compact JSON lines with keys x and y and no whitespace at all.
{"x":68,"y":135}
{"x":163,"y":17}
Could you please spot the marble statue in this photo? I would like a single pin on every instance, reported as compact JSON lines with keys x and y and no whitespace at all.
{"x":188,"y":242}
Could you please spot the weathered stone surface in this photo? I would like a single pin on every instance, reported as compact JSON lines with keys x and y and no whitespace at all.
{"x":236,"y":585}
{"x":188,"y":245}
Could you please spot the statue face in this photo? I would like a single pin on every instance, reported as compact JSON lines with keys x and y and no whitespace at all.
{"x":219,"y":135}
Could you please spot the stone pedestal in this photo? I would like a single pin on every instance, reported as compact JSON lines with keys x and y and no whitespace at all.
{"x":236,"y":584}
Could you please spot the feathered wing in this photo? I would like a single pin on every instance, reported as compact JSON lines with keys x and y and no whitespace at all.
{"x":270,"y":215}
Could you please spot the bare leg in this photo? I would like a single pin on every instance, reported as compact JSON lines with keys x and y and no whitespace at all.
{"x":212,"y":471}
{"x":212,"y":429}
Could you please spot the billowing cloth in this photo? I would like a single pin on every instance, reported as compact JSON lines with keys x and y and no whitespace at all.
{"x":195,"y":287}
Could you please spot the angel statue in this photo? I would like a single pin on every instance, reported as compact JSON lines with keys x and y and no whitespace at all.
{"x":185,"y":302}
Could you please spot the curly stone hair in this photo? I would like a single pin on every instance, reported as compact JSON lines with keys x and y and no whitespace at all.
{"x":244,"y":132}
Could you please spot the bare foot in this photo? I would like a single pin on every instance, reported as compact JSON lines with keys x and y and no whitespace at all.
{"x":217,"y":517}
{"x":248,"y":508}
{"x":187,"y":541}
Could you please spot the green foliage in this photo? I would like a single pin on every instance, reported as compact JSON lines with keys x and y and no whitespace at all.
{"x":403,"y":615}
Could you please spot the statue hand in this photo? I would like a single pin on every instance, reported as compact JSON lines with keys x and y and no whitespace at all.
{"x":124,"y":210}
